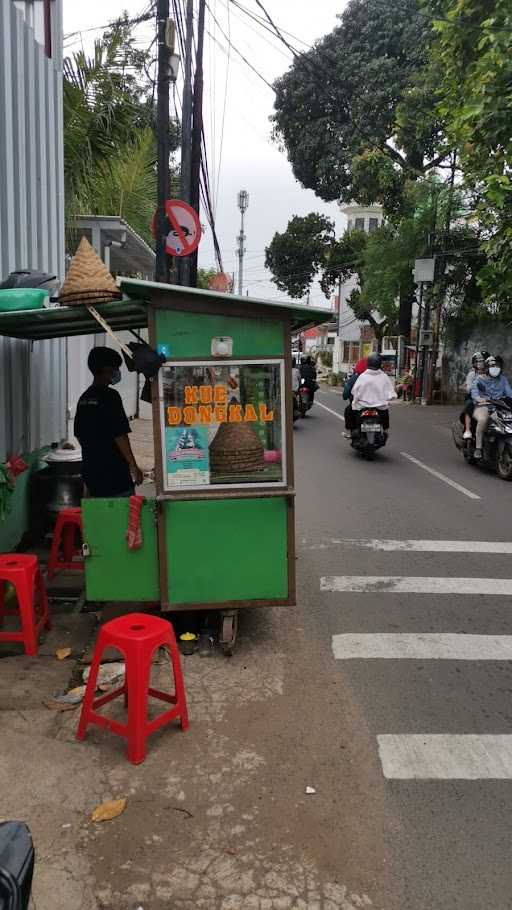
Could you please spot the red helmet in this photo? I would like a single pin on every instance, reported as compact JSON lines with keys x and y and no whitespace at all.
{"x":361,"y":366}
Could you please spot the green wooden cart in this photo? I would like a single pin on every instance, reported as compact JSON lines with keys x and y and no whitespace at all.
{"x":218,"y":528}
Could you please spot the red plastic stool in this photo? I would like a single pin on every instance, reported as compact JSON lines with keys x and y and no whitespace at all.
{"x":137,"y":636}
{"x":67,"y":524}
{"x":23,"y":573}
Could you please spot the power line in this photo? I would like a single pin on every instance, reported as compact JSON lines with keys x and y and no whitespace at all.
{"x":260,"y":21}
{"x":217,"y":187}
{"x":231,"y":45}
{"x":136,"y":20}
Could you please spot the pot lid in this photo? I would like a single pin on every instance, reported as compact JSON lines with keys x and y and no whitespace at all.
{"x":63,"y":454}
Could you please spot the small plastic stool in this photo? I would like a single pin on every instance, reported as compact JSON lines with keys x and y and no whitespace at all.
{"x":137,"y":636}
{"x":67,"y":524}
{"x":23,"y":573}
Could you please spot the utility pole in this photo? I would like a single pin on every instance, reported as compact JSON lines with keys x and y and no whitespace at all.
{"x":243,"y":205}
{"x":186,"y":134}
{"x":164,"y":27}
{"x":441,"y":271}
{"x":197,"y":132}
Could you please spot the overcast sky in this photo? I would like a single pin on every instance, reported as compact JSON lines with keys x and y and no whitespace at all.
{"x":237,"y":109}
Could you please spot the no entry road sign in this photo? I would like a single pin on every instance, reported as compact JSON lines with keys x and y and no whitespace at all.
{"x":183,"y":228}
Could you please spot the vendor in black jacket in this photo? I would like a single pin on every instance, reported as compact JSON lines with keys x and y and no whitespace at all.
{"x":101,"y":427}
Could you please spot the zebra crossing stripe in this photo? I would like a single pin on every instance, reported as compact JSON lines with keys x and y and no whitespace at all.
{"x":443,"y":756}
{"x":398,"y":584}
{"x":421,"y":646}
{"x":495,"y":547}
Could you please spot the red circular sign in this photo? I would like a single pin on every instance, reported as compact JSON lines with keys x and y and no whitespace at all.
{"x":184,"y":228}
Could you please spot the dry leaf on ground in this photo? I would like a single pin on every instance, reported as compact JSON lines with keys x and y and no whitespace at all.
{"x":62,"y":653}
{"x":111,"y":809}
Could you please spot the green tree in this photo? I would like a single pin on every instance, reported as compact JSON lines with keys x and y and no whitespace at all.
{"x":109,"y":146}
{"x":356,"y":114}
{"x":295,"y":256}
{"x":474,"y":50}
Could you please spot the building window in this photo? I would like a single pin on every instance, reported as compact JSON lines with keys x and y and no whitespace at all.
{"x":346,"y":352}
{"x":359,"y":224}
{"x":330,"y":340}
{"x":373,"y":224}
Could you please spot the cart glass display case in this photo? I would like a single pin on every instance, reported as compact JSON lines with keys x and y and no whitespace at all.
{"x":221,"y":424}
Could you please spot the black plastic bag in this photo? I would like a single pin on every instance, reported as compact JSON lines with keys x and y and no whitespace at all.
{"x":143,"y":360}
{"x":16,"y":865}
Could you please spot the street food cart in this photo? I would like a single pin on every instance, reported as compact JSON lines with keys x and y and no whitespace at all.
{"x":218,"y":527}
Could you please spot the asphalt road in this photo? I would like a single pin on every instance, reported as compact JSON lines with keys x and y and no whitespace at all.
{"x":405,"y":583}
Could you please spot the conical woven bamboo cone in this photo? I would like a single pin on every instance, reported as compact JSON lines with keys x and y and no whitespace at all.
{"x":88,"y":279}
{"x":236,"y":448}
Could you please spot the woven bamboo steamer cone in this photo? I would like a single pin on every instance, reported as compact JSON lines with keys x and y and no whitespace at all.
{"x":239,"y":437}
{"x":88,"y":280}
{"x":236,"y":448}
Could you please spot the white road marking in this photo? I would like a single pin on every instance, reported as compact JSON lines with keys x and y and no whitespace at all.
{"x":442,"y":756}
{"x":424,"y":546}
{"x":422,"y":646}
{"x":334,"y":413}
{"x":443,"y":477}
{"x":400,"y":584}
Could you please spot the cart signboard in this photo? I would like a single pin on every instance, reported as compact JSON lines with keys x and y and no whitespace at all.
{"x":222,"y":424}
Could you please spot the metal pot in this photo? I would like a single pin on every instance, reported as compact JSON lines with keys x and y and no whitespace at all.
{"x":57,"y":486}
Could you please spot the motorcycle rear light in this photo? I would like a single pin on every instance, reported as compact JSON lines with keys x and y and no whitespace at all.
{"x":370,"y":413}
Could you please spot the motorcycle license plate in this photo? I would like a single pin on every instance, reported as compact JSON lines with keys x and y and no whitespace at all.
{"x":371,"y":428}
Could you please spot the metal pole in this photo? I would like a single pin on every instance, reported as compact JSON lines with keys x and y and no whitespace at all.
{"x":418,"y":330}
{"x":186,"y":134}
{"x":243,"y":203}
{"x":424,"y":366}
{"x":162,"y":264}
{"x":197,"y":131}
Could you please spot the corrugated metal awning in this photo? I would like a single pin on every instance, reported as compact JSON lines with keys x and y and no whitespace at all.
{"x":61,"y":322}
{"x":131,"y":313}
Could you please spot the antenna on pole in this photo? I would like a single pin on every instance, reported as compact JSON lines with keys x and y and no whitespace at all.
{"x":243,"y":205}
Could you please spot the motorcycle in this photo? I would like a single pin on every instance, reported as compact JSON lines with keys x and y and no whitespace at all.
{"x":296,"y":406}
{"x":370,"y":435}
{"x":497,"y":445}
{"x":305,"y":398}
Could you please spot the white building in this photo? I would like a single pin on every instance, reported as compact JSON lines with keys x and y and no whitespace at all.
{"x":348,"y":346}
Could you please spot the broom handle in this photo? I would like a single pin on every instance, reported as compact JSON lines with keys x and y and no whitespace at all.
{"x":104,"y":324}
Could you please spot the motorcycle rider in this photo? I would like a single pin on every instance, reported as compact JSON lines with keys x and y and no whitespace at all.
{"x":493,"y":386}
{"x":477,"y":369}
{"x":308,"y":374}
{"x":295,"y":376}
{"x":373,"y":389}
{"x":350,"y":423}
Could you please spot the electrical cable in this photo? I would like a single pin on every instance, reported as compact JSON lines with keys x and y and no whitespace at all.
{"x":145,"y":16}
{"x":241,"y":19}
{"x":223,"y":122}
{"x":260,"y":21}
{"x":231,"y":45}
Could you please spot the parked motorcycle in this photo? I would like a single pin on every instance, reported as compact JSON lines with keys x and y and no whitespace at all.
{"x":305,"y":398}
{"x":497,"y":445}
{"x":370,"y":435}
